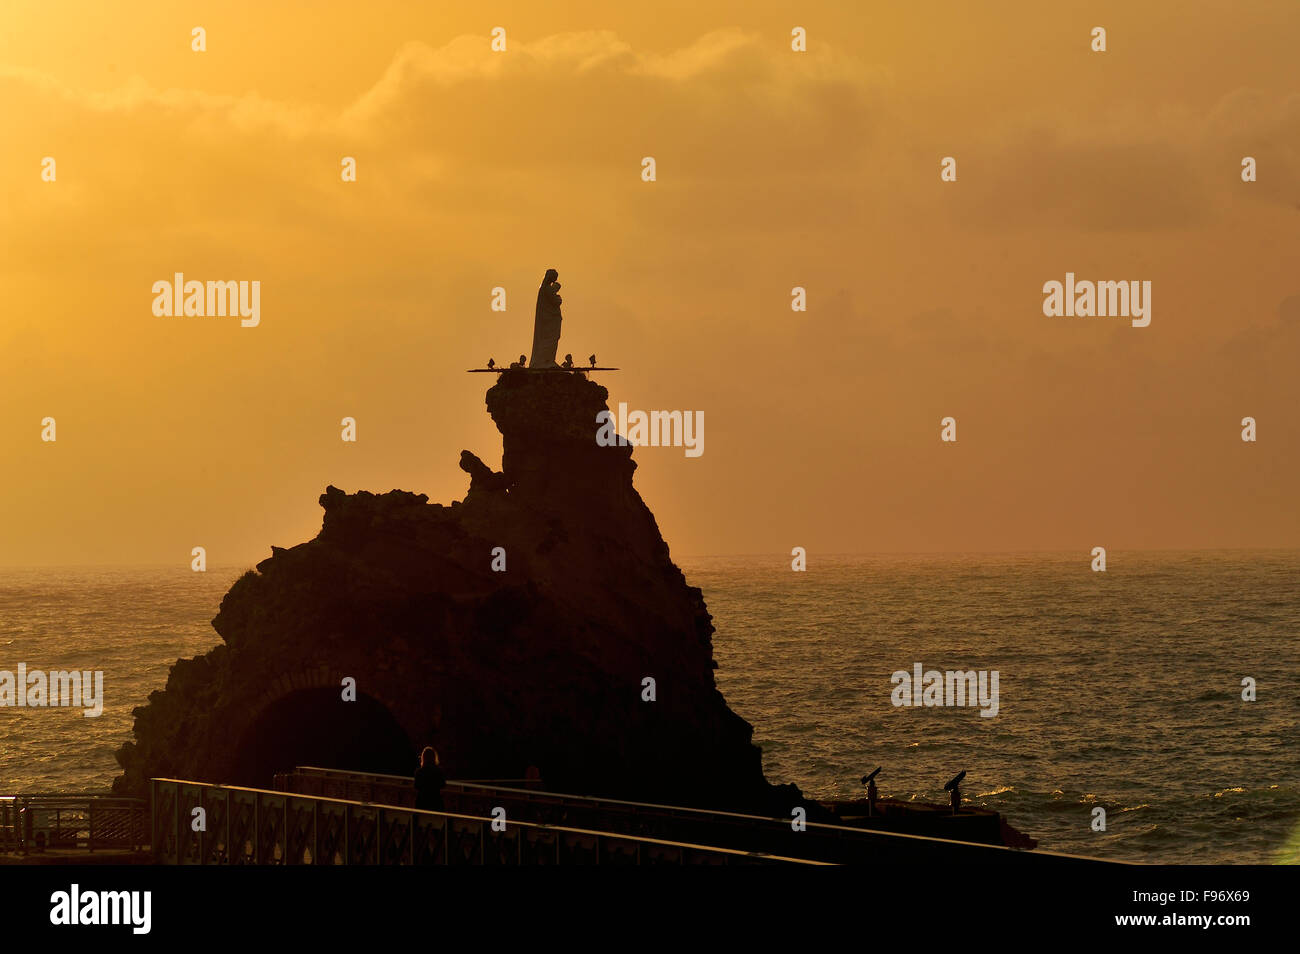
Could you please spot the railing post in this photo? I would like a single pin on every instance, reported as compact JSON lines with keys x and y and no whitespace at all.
{"x":315,"y":832}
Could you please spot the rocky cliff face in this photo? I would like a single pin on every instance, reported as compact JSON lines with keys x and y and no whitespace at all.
{"x":540,"y":665}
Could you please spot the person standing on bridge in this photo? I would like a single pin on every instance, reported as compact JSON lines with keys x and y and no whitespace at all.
{"x":429,"y":781}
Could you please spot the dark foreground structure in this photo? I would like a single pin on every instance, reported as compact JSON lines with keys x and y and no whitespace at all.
{"x":542,"y":664}
{"x":322,"y":816}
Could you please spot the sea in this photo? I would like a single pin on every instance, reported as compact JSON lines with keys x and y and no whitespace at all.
{"x":1121,"y":690}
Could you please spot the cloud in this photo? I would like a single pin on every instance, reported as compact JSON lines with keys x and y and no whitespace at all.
{"x":1288,"y":310}
{"x":1133,"y":171}
{"x":249,"y":113}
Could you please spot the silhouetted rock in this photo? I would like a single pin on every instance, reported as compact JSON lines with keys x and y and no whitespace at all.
{"x":481,"y":476}
{"x":542,"y":664}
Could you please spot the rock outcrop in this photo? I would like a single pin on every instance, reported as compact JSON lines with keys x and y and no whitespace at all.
{"x":541,"y":664}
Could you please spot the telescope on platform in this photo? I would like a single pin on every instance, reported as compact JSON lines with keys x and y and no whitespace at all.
{"x":869,"y":780}
{"x":954,"y":786}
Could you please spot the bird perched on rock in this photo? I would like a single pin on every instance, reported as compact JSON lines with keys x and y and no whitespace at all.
{"x":568,"y":361}
{"x":592,"y":359}
{"x":492,"y":363}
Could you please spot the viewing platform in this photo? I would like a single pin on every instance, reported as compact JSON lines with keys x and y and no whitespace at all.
{"x":61,"y":828}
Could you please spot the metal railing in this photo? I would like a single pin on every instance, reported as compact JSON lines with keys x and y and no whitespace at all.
{"x":828,"y":843}
{"x":348,"y":785}
{"x":48,"y":822}
{"x":243,"y":826}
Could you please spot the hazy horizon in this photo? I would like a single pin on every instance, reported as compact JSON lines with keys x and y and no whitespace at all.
{"x":776,"y":558}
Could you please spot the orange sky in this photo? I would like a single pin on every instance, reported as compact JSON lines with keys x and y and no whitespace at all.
{"x":775,"y":169}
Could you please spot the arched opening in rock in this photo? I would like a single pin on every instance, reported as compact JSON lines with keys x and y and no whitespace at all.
{"x":316,"y":727}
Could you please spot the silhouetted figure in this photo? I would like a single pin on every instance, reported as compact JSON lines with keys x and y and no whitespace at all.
{"x":492,"y":363}
{"x":568,"y":361}
{"x":429,"y":781}
{"x":592,"y":359}
{"x":546,"y":322}
{"x":523,"y":360}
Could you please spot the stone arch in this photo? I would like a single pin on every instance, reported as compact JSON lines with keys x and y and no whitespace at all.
{"x":317,"y":677}
{"x":302,"y":719}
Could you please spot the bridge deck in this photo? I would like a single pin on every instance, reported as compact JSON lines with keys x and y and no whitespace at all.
{"x":328,"y":816}
{"x":522,"y":800}
{"x":260,"y":826}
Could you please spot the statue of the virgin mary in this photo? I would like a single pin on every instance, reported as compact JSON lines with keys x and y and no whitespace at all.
{"x":546,"y":324}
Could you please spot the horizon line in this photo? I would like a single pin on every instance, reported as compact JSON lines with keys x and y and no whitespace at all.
{"x":689,"y":556}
